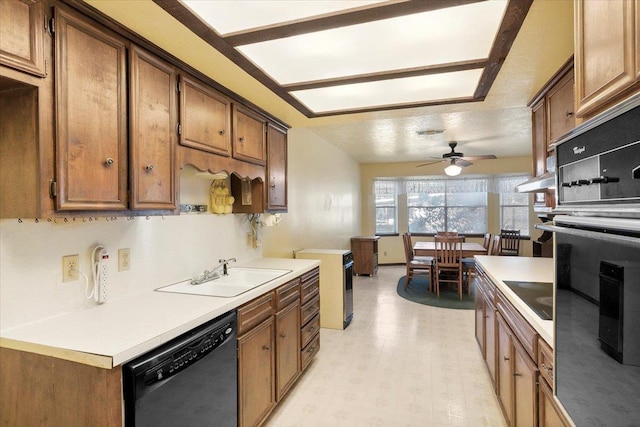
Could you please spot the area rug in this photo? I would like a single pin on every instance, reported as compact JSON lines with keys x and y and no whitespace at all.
{"x":418,"y":291}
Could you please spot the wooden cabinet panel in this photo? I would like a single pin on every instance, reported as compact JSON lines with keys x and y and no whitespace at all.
{"x":276,"y":176}
{"x":205,"y":118}
{"x":256,"y":374}
{"x":287,"y":294}
{"x":524,"y":389}
{"x":549,"y":413}
{"x":91,"y":102}
{"x":504,"y":368}
{"x":22,"y":26}
{"x":545,"y":361}
{"x":560,"y":108}
{"x":310,"y":351}
{"x":310,"y":309}
{"x":490,"y":338}
{"x":249,"y":136}
{"x":309,"y":330}
{"x":605,"y":53}
{"x":254,"y":312}
{"x":310,"y":285}
{"x":287,"y":348}
{"x":152,"y":118}
{"x":479,"y":318}
{"x":539,"y":137}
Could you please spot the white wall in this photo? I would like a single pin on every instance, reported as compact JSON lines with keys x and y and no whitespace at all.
{"x":324,"y":198}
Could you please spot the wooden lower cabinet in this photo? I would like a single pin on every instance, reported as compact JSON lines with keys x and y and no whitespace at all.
{"x":548,"y":411}
{"x":504,"y":365}
{"x":486,"y":321}
{"x":287,"y":348}
{"x":256,"y":374}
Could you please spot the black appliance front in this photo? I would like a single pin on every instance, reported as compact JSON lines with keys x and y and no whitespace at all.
{"x":597,"y":321}
{"x":347,"y":261}
{"x":190,"y":381}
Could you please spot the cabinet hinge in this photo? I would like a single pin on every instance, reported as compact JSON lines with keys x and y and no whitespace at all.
{"x":53,"y":189}
{"x":51,"y":27}
{"x":179,"y":129}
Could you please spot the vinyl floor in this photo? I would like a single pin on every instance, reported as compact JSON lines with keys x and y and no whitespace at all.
{"x":398,"y":364}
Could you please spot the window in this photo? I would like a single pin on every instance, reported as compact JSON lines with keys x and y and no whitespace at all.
{"x":386,"y":198}
{"x":447,"y":205}
{"x":514,"y":206}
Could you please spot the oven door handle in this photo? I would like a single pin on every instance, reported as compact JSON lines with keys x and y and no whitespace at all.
{"x":600,"y":236}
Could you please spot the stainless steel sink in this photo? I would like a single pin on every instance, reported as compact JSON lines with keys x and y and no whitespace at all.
{"x":239,"y":280}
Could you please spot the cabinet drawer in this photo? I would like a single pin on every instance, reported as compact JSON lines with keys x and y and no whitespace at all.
{"x":521,"y":328}
{"x":310,"y":286}
{"x":309,"y":330}
{"x":309,"y":310}
{"x":309,"y":351}
{"x":254,"y":312}
{"x":287,"y":293}
{"x":545,"y":361}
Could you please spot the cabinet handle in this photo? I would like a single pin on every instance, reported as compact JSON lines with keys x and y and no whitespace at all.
{"x":283,"y":335}
{"x":108,"y":162}
{"x":266,"y":347}
{"x":311,"y":329}
{"x":149,"y":167}
{"x":569,"y":113}
{"x":222,"y":132}
{"x":241,"y":139}
{"x":515,"y":374}
{"x":505,"y":357}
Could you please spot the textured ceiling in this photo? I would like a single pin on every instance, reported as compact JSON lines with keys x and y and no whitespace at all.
{"x":501,"y":124}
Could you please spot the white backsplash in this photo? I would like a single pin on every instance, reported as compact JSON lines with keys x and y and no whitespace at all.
{"x":164,"y":250}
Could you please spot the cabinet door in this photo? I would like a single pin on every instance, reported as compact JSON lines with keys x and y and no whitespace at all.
{"x":256,"y":373}
{"x":490,"y":337}
{"x":276,"y":169}
{"x":91,"y":112}
{"x":560,"y":108}
{"x":249,"y":136}
{"x":22,"y":35}
{"x":548,"y":410}
{"x":525,"y":375}
{"x":152,"y":118}
{"x":480,"y":319}
{"x":504,"y":369}
{"x":287,"y":348}
{"x":539,"y":137}
{"x":605,"y":58}
{"x":205,"y":118}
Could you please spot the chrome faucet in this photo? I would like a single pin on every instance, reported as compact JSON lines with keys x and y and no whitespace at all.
{"x":213,"y":273}
{"x":224,"y":263}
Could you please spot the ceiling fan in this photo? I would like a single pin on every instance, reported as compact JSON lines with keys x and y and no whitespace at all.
{"x":457,"y":160}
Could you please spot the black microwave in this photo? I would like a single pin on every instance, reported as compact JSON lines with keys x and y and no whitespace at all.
{"x":598,"y":165}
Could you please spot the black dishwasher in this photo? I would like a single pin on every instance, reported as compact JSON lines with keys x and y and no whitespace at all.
{"x":189,"y":381}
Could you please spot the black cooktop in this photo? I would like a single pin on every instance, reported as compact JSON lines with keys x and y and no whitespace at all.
{"x":537,"y":295}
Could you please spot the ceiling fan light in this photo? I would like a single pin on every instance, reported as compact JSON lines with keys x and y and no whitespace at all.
{"x":453,"y":170}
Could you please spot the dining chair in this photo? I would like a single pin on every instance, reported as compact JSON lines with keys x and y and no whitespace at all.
{"x":447,"y":233}
{"x":448,"y":262}
{"x":422,"y":265}
{"x":487,"y":241}
{"x":509,"y":242}
{"x":494,"y":247}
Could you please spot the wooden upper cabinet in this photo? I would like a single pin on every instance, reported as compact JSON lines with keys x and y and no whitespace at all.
{"x":91,"y":115}
{"x":560,"y":108}
{"x":205,"y":118}
{"x":22,"y":27}
{"x":249,"y":136}
{"x":276,"y":176}
{"x":606,"y":53}
{"x":152,"y":124}
{"x":539,"y":137}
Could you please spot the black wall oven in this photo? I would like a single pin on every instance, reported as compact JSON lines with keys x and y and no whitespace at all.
{"x":597,"y":284}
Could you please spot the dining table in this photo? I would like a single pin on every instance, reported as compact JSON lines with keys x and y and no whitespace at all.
{"x":469,"y":249}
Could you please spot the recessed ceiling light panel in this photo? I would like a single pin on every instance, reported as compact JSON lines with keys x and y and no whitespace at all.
{"x":460,"y":84}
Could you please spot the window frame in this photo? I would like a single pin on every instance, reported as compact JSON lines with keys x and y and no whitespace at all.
{"x":393,"y":206}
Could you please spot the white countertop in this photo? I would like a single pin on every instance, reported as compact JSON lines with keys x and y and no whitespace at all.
{"x":324,"y":251}
{"x":113,"y":333}
{"x":501,"y":268}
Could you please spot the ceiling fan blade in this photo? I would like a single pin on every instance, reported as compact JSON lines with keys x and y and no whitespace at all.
{"x":481,"y":157}
{"x":463,"y":162}
{"x":430,"y":163}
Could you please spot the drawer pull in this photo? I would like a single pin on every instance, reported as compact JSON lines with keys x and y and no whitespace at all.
{"x":515,"y":374}
{"x":505,"y":357}
{"x":108,"y":162}
{"x":266,"y":347}
{"x":283,"y":335}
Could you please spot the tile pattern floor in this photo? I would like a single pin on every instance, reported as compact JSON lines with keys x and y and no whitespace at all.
{"x":398,"y":364}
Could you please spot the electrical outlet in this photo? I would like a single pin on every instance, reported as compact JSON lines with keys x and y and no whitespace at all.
{"x":70,"y":268}
{"x":124,"y":259}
